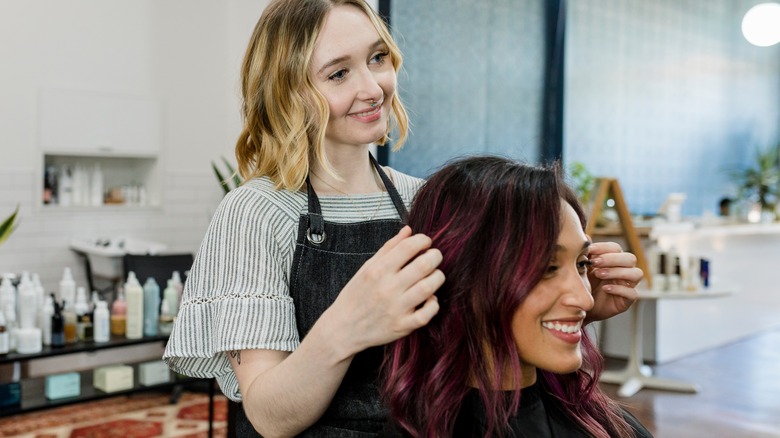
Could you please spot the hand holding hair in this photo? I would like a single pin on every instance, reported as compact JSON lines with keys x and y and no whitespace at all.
{"x":392,"y":294}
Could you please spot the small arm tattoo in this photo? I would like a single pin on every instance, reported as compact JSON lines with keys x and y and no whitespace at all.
{"x":236,"y":355}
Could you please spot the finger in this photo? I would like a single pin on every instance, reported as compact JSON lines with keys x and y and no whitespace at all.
{"x":424,"y":314}
{"x":614,"y":259}
{"x":619,"y":290}
{"x":422,"y":266}
{"x":598,"y":248}
{"x":633,"y":275}
{"x":422,"y":290}
{"x":404,"y":233}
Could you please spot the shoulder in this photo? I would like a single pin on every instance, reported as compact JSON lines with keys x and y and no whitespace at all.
{"x":639,"y":430}
{"x":407,"y":185}
{"x":258,"y":199}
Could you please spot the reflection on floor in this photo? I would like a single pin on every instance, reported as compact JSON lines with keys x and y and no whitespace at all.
{"x":739,"y":397}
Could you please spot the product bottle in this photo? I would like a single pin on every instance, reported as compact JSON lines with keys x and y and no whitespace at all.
{"x":179,"y":287}
{"x":67,"y":287}
{"x":27,"y":302}
{"x":40,"y":292}
{"x":118,"y":314}
{"x":166,"y":318}
{"x":171,"y":293}
{"x":135,"y":307}
{"x":675,"y":278}
{"x":102,"y":325}
{"x":65,"y":192}
{"x":57,"y":325}
{"x":10,"y":326}
{"x":7,"y":294}
{"x":83,"y":318}
{"x":44,"y":320}
{"x":71,"y":322}
{"x":96,"y":186}
{"x":5,"y":346}
{"x":151,"y":307}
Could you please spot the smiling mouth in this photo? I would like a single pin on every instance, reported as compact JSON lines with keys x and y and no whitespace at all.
{"x":369,"y":112}
{"x":563,"y":327}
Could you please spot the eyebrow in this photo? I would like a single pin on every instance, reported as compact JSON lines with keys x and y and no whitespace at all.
{"x":584,"y":246}
{"x":341,"y":59}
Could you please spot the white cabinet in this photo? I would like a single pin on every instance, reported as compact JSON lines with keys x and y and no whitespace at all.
{"x":98,"y":124}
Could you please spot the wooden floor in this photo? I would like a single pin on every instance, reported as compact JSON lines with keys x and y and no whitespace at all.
{"x":739,"y":396}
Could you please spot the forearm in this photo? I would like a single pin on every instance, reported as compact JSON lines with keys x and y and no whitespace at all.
{"x":291,"y":396}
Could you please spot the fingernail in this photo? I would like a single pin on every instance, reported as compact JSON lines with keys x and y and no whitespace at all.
{"x":607,"y":288}
{"x":597,"y":261}
{"x":601,"y":273}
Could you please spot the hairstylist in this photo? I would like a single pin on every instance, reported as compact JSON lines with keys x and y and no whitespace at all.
{"x":305,"y":269}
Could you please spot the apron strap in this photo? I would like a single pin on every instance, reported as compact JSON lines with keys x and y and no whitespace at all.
{"x":316,"y":230}
{"x":391,"y":190}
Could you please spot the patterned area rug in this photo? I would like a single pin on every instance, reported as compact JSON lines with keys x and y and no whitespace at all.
{"x":138,"y":416}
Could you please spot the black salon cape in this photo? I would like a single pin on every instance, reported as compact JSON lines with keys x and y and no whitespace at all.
{"x":537,"y":417}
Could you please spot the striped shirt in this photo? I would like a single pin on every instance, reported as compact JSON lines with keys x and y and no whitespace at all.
{"x":237,"y":293}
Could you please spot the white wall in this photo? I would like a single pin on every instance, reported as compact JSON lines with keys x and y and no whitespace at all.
{"x":184,"y":53}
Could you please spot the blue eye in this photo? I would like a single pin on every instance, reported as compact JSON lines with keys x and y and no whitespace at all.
{"x":379,"y":58}
{"x":338,"y":75}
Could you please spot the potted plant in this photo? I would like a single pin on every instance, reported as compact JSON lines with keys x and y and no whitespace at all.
{"x":8,"y":225}
{"x":233,"y":176}
{"x":760,"y":182}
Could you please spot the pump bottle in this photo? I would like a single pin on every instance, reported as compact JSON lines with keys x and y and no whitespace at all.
{"x":135,"y":307}
{"x":151,"y":307}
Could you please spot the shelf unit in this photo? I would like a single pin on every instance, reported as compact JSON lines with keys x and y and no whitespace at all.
{"x":120,"y":133}
{"x":34,"y":399}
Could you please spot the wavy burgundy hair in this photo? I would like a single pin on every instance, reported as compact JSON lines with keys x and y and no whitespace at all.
{"x":495,"y":222}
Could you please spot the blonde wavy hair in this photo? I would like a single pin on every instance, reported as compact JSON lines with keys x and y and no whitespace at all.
{"x":285,"y":116}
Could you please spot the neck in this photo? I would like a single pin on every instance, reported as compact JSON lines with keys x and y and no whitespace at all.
{"x":507,"y":382}
{"x":354,"y":173}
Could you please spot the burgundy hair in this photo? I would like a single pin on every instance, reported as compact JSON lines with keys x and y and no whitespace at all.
{"x":495,"y":222}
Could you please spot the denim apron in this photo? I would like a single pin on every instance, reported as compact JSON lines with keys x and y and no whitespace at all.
{"x":327,"y":256}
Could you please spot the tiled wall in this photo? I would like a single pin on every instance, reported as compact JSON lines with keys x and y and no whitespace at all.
{"x":40,"y":243}
{"x":667,"y":96}
{"x":472,"y":79}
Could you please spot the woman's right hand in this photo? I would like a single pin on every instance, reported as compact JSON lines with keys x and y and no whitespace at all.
{"x":392,"y":294}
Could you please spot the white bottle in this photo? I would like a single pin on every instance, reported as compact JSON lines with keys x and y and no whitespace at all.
{"x":171,"y":294}
{"x":5,"y":342}
{"x":65,"y":189}
{"x":11,"y":326}
{"x":44,"y":319}
{"x":27,"y":304}
{"x":102,"y":322}
{"x":96,"y":186}
{"x":67,"y":288}
{"x":40,"y":292}
{"x":7,"y":294}
{"x":178,"y":284}
{"x":673,"y":271}
{"x":134,"y":295}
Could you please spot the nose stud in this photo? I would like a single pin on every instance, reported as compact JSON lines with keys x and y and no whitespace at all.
{"x":373,"y":103}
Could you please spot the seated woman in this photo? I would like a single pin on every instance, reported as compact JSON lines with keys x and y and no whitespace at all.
{"x":507,"y":354}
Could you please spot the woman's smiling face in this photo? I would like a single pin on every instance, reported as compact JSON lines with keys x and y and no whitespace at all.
{"x":351,"y":67}
{"x":547,"y":323}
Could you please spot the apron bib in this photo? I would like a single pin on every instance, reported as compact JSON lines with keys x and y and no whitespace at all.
{"x":327,"y":256}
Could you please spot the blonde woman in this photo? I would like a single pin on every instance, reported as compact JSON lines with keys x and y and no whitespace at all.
{"x":307,"y":270}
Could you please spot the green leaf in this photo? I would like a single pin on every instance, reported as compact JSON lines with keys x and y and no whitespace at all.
{"x":7,"y":227}
{"x":222,"y":181}
{"x":236,"y":177}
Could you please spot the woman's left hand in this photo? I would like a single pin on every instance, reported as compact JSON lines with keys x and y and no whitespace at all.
{"x":613,"y":279}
